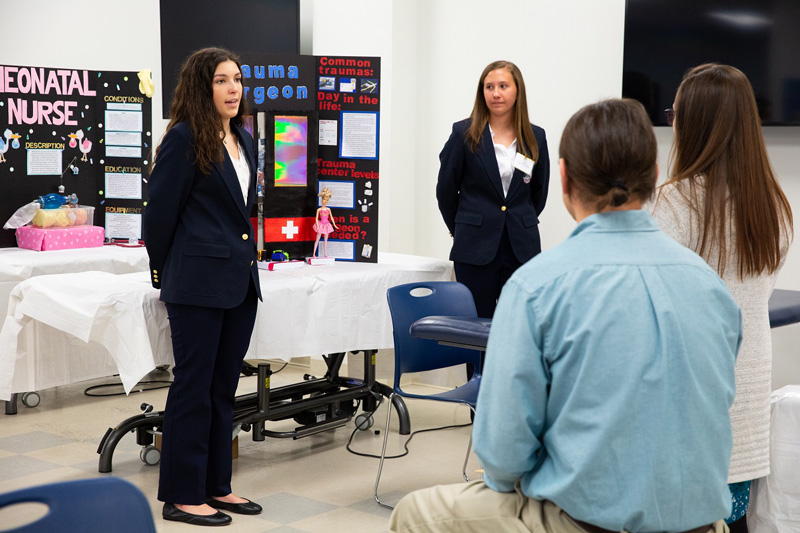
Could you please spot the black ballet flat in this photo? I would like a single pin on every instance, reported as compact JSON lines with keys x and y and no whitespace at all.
{"x":247,"y":507}
{"x":170,"y":512}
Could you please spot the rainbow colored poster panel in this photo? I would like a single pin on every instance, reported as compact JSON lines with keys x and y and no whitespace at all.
{"x":291,"y":151}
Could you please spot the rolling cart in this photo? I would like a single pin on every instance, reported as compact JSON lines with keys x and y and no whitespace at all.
{"x":316,"y":404}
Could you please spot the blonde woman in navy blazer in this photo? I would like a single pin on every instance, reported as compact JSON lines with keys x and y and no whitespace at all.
{"x":202,"y":256}
{"x":492,"y":185}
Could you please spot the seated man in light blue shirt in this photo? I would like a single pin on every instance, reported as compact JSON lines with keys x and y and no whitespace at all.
{"x":609,"y":370}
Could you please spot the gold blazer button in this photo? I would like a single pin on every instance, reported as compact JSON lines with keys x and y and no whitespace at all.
{"x":245,"y":236}
{"x":503,"y":208}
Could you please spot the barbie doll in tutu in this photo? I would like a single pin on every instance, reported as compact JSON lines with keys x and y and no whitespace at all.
{"x":325,"y":223}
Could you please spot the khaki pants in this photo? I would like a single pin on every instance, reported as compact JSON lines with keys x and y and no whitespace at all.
{"x":475,"y":508}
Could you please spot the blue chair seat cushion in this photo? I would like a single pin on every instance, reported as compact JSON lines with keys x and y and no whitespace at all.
{"x":467,"y":331}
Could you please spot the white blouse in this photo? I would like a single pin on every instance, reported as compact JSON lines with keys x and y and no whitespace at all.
{"x":242,"y":172}
{"x":505,"y":161}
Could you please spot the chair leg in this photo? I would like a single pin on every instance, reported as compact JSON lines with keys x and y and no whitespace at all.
{"x":383,"y":453}
{"x":469,"y":449}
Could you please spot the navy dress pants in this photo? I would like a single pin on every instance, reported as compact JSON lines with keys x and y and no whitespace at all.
{"x":209,"y":346}
{"x":486,"y":281}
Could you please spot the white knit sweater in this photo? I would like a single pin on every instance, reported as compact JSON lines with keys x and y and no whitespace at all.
{"x":750,"y":415}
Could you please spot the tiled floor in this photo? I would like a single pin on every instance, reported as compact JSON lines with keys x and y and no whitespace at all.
{"x":308,"y":485}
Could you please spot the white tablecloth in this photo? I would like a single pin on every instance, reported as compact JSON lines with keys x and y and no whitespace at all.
{"x":775,"y":499}
{"x":17,"y":264}
{"x":62,"y":328}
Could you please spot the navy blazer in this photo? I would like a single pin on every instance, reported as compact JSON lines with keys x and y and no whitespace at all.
{"x":197,"y":227}
{"x":471,"y":201}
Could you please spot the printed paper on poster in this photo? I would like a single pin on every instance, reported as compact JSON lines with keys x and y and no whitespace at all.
{"x":124,"y":185}
{"x":123,"y":225}
{"x":327,"y":132}
{"x":359,"y":135}
{"x":44,"y":162}
{"x":342,"y":193}
{"x":123,"y":120}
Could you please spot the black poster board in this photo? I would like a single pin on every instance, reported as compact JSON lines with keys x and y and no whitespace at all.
{"x":348,"y":99}
{"x":92,"y":126}
{"x":336,"y":100}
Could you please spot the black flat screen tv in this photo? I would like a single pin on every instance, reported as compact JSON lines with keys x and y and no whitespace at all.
{"x":664,"y":38}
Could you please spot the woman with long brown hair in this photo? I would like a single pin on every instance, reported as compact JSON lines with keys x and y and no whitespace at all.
{"x":722,"y":200}
{"x":492,"y":185}
{"x":202,"y":256}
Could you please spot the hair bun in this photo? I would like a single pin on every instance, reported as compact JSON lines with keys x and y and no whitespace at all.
{"x":619,"y":184}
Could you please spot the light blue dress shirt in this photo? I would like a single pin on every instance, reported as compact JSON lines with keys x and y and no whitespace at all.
{"x":608,"y":379}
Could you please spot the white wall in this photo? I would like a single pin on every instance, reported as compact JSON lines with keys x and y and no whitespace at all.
{"x":90,"y":34}
{"x":365,"y":28}
{"x":97,"y":35}
{"x":570,"y":54}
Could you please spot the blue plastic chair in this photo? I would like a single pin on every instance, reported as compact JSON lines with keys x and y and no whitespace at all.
{"x":407,"y":304}
{"x":88,"y":505}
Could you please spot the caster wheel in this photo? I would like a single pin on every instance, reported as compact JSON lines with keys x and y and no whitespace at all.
{"x":150,"y":455}
{"x":364,"y":421}
{"x":31,"y":399}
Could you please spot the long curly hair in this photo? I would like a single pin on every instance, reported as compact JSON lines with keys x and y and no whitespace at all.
{"x":526,"y":142}
{"x":194,"y":103}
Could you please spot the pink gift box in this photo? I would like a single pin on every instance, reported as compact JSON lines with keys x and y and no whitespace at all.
{"x":60,"y":238}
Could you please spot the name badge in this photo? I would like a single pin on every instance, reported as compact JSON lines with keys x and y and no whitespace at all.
{"x":524,"y":164}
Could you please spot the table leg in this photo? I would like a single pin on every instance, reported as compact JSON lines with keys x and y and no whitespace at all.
{"x":11,"y":404}
{"x":262,"y":403}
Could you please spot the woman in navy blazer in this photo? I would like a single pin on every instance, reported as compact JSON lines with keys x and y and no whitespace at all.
{"x":202,"y":256}
{"x":492,"y":185}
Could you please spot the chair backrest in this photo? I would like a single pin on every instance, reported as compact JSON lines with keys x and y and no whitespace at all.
{"x":412,"y":301}
{"x":87,"y":505}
